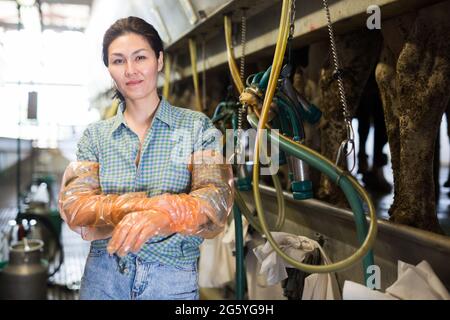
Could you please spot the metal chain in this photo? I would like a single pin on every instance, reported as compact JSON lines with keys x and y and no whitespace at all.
{"x":241,"y":108}
{"x":242,"y":66}
{"x":291,"y":32}
{"x":338,"y":76}
{"x":243,"y":41}
{"x":292,"y":20}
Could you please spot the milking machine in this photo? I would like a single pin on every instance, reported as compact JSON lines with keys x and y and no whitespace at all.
{"x":271,"y":102}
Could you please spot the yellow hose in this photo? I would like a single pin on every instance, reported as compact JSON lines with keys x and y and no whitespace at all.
{"x":240,"y":87}
{"x":193,"y":52}
{"x":167,"y":67}
{"x":371,"y":236}
{"x":280,"y":201}
{"x":111,"y":111}
{"x":276,"y":67}
{"x":231,"y":63}
{"x":281,"y":216}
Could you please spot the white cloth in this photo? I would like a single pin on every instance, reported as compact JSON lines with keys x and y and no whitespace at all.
{"x":258,"y":288}
{"x":216,"y":264}
{"x":272,"y":264}
{"x":418,"y":282}
{"x":413,"y":283}
{"x":356,"y":291}
{"x":321,"y":286}
{"x":317,"y":286}
{"x":229,"y":237}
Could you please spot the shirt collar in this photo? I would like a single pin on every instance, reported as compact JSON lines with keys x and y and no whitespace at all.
{"x":163,"y":113}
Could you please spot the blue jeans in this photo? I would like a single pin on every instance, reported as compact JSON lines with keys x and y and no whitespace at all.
{"x":103,"y":279}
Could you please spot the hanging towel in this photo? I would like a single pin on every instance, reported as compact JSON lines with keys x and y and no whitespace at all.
{"x":272,"y":264}
{"x":317,"y":286}
{"x":321,"y":286}
{"x":258,"y":288}
{"x":216,"y":264}
{"x":417,"y":283}
{"x":356,"y":291}
{"x":413,"y":283}
{"x":229,"y":237}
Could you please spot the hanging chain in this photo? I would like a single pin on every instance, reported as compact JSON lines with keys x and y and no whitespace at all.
{"x":243,"y":40}
{"x":242,"y":66}
{"x":242,"y":107}
{"x":337,"y":74}
{"x":292,"y":20}
{"x":291,"y":32}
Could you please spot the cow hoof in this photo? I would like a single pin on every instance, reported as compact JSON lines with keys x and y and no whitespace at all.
{"x":402,"y":217}
{"x":407,"y":218}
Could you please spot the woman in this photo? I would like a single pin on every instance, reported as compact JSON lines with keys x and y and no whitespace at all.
{"x":128,"y":191}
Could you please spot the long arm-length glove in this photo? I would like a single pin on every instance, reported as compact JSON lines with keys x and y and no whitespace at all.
{"x":202,"y":212}
{"x":82,"y":203}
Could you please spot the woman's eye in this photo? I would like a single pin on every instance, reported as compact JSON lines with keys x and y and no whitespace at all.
{"x":117,"y":61}
{"x":141,"y":58}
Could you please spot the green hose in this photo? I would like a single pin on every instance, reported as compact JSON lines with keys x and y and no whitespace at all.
{"x":281,"y":216}
{"x":293,"y":119}
{"x":240,"y":202}
{"x":349,"y":186}
{"x":240,"y":267}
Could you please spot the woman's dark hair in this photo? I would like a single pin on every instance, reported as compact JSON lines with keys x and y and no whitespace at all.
{"x":131,"y":25}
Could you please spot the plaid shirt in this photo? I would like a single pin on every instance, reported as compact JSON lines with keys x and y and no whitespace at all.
{"x":175,"y":133}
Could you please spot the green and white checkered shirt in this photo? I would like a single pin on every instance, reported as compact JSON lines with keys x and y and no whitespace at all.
{"x":175,"y":133}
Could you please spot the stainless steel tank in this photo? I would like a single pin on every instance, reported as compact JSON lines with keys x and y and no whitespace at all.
{"x":25,"y":276}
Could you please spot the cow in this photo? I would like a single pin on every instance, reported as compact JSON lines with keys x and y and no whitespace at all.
{"x":411,"y":57}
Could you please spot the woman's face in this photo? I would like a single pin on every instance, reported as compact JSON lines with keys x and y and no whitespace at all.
{"x":133,"y":66}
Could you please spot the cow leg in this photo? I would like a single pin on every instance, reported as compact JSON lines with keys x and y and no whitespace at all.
{"x":358,"y":53}
{"x":385,"y":76}
{"x":423,"y":79}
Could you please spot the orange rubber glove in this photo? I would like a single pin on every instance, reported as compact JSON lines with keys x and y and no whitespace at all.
{"x":203,"y":211}
{"x":82,"y":204}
